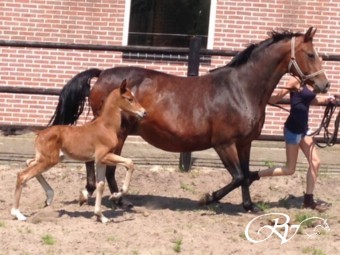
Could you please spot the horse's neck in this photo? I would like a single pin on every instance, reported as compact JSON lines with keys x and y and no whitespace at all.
{"x":263,"y":74}
{"x":110,"y":116}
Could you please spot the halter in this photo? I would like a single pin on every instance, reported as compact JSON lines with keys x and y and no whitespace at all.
{"x":293,"y":62}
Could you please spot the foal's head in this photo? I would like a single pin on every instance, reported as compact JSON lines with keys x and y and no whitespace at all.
{"x":128,"y":103}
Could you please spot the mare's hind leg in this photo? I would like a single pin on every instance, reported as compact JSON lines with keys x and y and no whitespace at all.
{"x":23,"y":177}
{"x":47,"y":188}
{"x":90,"y":187}
{"x":230,"y":159}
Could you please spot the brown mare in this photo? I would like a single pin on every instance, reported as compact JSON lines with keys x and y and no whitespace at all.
{"x":224,"y":109}
{"x":95,"y":141}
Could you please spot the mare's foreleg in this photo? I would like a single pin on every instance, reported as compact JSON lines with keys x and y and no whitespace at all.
{"x":229,"y":157}
{"x":244,"y":155}
{"x":23,"y":177}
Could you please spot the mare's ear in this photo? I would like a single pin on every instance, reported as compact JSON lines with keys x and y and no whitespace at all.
{"x":310,"y":34}
{"x":123,"y":87}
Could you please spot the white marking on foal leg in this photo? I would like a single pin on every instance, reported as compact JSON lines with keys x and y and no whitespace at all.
{"x":83,"y":197}
{"x":48,"y":190}
{"x":17,"y":214}
{"x":100,"y":185}
{"x":129,"y":170}
{"x":61,"y":156}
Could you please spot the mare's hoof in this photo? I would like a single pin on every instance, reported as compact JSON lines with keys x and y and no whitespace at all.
{"x":251,"y":208}
{"x":122,"y":203}
{"x":206,"y":199}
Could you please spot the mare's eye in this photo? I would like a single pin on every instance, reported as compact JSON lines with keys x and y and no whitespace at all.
{"x":311,"y":55}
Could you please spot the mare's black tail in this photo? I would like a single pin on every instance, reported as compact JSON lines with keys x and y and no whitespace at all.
{"x":73,"y":97}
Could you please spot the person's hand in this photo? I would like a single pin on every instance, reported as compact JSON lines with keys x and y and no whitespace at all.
{"x":331,"y":99}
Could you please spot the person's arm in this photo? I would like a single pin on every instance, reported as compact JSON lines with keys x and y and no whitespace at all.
{"x":292,"y":84}
{"x":319,"y":100}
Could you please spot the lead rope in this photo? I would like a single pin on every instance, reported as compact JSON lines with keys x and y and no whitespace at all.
{"x":329,"y":138}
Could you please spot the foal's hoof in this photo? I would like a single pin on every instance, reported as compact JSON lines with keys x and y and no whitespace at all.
{"x":102,"y":219}
{"x":17,"y":214}
{"x":206,"y":199}
{"x":83,"y":197}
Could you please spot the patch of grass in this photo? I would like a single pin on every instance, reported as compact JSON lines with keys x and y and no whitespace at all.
{"x":243,"y":236}
{"x":269,"y":163}
{"x":313,"y":251}
{"x":178,"y":245}
{"x":2,"y":224}
{"x":48,"y":239}
{"x":301,"y":216}
{"x":262,"y":206}
{"x":187,"y":187}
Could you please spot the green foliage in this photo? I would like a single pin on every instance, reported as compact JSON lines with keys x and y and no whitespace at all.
{"x":177,"y":246}
{"x":262,"y":206}
{"x":48,"y":239}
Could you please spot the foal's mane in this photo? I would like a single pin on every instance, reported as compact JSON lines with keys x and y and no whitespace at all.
{"x":243,"y":56}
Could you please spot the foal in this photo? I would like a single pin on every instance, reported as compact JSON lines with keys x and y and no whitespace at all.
{"x":94,"y":141}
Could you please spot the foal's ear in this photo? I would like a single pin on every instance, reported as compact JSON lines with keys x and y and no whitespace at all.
{"x":123,"y":87}
{"x":310,"y":34}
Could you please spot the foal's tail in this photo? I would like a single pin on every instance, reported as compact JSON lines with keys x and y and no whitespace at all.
{"x":73,"y":97}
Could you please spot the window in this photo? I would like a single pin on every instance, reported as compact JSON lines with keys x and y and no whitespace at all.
{"x":168,"y":23}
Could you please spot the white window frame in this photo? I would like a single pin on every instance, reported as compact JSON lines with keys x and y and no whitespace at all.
{"x":211,"y":30}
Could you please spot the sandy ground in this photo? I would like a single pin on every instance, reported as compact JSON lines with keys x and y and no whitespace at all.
{"x":166,"y":218}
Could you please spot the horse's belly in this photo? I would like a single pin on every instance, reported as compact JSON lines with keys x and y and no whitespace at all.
{"x":175,"y":142}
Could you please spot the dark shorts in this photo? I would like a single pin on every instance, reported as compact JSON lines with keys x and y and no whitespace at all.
{"x":292,"y":138}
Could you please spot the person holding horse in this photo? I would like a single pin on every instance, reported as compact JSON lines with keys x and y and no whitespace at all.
{"x":296,"y":136}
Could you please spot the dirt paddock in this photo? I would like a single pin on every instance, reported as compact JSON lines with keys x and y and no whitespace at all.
{"x":166,"y":218}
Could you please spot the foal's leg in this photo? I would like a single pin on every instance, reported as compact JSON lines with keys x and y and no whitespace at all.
{"x":113,"y":159}
{"x":47,"y":188}
{"x":23,"y":177}
{"x":100,"y":169}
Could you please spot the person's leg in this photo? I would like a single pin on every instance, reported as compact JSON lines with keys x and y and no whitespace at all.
{"x":292,"y":151}
{"x":308,"y":147}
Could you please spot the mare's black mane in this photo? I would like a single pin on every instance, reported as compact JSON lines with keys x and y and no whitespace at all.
{"x":243,"y":56}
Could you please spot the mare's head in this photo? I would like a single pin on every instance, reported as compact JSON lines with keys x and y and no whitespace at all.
{"x":128,"y":103}
{"x":305,"y":63}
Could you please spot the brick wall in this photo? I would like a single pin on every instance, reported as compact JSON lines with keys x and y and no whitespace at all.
{"x":101,"y":22}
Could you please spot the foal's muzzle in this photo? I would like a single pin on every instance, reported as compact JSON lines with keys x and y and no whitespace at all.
{"x":141,"y":114}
